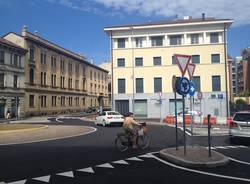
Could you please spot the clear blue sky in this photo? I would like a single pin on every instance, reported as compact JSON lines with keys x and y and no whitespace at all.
{"x":78,"y":25}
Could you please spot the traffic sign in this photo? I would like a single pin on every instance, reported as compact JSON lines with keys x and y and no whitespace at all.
{"x":182,"y":86}
{"x":192,"y":88}
{"x":182,"y":61}
{"x":220,"y":96}
{"x":173,"y":83}
{"x":199,"y":95}
{"x":191,"y":69}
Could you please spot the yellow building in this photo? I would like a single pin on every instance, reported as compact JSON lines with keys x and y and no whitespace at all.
{"x":143,"y":64}
{"x":57,"y":80}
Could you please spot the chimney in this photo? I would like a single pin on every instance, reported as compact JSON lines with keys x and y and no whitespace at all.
{"x":203,"y":16}
{"x":24,"y":30}
{"x":187,"y":17}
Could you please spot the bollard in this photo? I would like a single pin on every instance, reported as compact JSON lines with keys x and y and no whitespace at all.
{"x":209,"y":134}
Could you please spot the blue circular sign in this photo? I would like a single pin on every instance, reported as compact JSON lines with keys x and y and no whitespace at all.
{"x":182,"y":86}
{"x":192,"y":88}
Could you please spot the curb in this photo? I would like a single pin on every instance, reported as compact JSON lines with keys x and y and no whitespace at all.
{"x":184,"y":162}
{"x":24,"y":130}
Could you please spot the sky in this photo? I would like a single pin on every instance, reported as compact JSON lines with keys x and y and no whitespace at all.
{"x":78,"y":25}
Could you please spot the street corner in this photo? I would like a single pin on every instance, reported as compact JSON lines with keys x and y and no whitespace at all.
{"x":196,"y":156}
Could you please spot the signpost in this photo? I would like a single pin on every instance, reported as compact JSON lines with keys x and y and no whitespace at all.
{"x":183,"y":87}
{"x":175,"y":111}
{"x":199,"y":96}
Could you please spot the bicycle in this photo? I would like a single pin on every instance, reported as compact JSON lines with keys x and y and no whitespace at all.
{"x":124,"y":140}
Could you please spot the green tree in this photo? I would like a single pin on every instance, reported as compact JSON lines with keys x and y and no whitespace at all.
{"x":240,"y":102}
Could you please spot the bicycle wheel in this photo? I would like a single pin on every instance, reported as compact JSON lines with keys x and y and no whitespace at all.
{"x":119,"y":144}
{"x":143,"y":141}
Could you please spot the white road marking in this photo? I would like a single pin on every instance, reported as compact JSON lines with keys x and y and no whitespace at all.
{"x":231,"y":146}
{"x":53,"y":139}
{"x":67,"y":174}
{"x":18,"y":182}
{"x":134,"y":159}
{"x":242,"y":146}
{"x":239,"y":161}
{"x":59,"y":121}
{"x":43,"y":178}
{"x":221,"y":147}
{"x":88,"y":170}
{"x":121,"y":162}
{"x":146,"y":156}
{"x":107,"y":165}
{"x":185,"y":131}
{"x":201,"y":172}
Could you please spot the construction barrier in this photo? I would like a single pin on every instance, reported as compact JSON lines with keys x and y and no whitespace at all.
{"x":213,"y":120}
{"x":169,"y":119}
{"x":229,"y":120}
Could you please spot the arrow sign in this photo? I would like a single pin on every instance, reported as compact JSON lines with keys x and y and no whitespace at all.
{"x":191,"y":69}
{"x":182,"y":61}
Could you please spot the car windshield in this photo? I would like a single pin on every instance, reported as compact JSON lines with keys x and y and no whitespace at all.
{"x":113,"y":113}
{"x":242,"y":117}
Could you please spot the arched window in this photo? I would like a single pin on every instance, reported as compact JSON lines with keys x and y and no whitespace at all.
{"x":32,"y":76}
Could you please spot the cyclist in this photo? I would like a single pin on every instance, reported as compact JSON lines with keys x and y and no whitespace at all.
{"x":131,"y":127}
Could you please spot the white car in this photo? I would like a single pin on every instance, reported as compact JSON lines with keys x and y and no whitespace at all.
{"x":240,"y":126}
{"x":107,"y":118}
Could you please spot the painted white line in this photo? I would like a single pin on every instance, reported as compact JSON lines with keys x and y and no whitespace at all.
{"x":43,"y":178}
{"x":53,"y":139}
{"x":121,"y":162}
{"x":88,"y":170}
{"x":239,"y":161}
{"x":134,"y":159}
{"x":107,"y":165}
{"x":59,"y":121}
{"x":201,"y":172}
{"x":181,"y":128}
{"x":67,"y":174}
{"x":18,"y":182}
{"x":2,"y":183}
{"x":242,"y":146}
{"x":146,"y":156}
{"x":231,"y":146}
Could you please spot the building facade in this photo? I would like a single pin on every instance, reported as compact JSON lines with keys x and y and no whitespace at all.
{"x":144,"y":63}
{"x":11,"y":79}
{"x":57,"y":80}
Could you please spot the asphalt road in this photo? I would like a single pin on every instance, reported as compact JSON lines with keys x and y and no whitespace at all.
{"x":80,"y":160}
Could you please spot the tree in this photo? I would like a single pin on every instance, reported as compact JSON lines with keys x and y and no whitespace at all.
{"x":240,"y":102}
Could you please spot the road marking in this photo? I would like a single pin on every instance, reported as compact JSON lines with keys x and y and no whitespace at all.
{"x":107,"y":165}
{"x":239,"y":161}
{"x":67,"y":174}
{"x":201,"y":172}
{"x":43,"y":178}
{"x":134,"y":159}
{"x":185,"y":131}
{"x":146,"y":156}
{"x":88,"y":170}
{"x":59,"y":121}
{"x":121,"y":162}
{"x":242,"y":146}
{"x":221,"y":147}
{"x":231,"y":146}
{"x":18,"y":182}
{"x":53,"y":139}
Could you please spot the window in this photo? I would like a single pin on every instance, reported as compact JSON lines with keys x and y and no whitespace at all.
{"x":157,"y":41}
{"x":43,"y":59}
{"x":216,"y":84}
{"x":139,"y":42}
{"x":173,"y":60}
{"x":84,"y":84}
{"x":121,"y":62}
{"x":53,"y":101}
{"x":70,"y":68}
{"x":95,"y":76}
{"x":53,"y":62}
{"x":31,"y":101}
{"x":157,"y":84}
{"x":139,"y":85}
{"x":62,"y":101}
{"x":32,"y":54}
{"x":77,"y":84}
{"x":91,"y":74}
{"x":215,"y":58}
{"x":175,"y":40}
{"x":77,"y":70}
{"x":31,"y":76}
{"x":157,"y":61}
{"x":43,"y":101}
{"x":53,"y":80}
{"x":214,"y":37}
{"x":16,"y":59}
{"x":43,"y":78}
{"x":121,"y":86}
{"x":83,"y":101}
{"x":62,"y":82}
{"x":197,"y":82}
{"x":70,"y":101}
{"x":62,"y":65}
{"x":1,"y":56}
{"x":70,"y":83}
{"x":1,"y":79}
{"x":83,"y":70}
{"x":15,"y":81}
{"x":138,"y":61}
{"x":77,"y":101}
{"x":196,"y":59}
{"x":140,"y":108}
{"x":194,"y":38}
{"x":121,"y":42}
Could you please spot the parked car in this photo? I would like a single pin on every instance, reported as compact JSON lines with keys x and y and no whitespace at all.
{"x":90,"y":110}
{"x":188,"y":112}
{"x":107,"y":118}
{"x":239,"y":127}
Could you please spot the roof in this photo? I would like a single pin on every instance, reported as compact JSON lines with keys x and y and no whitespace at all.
{"x":53,"y":46}
{"x":10,"y":44}
{"x":173,"y":22}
